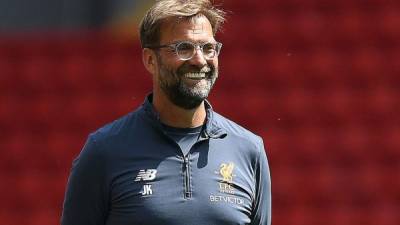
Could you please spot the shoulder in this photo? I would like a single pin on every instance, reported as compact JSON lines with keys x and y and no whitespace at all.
{"x":116,"y":130}
{"x":238,"y":132}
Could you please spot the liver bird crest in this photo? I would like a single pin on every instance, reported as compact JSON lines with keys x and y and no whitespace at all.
{"x":226,"y":172}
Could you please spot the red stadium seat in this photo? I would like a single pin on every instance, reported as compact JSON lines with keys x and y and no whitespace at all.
{"x":317,"y":79}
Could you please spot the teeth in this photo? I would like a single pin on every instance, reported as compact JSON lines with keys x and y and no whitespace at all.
{"x":205,"y":70}
{"x":195,"y":75}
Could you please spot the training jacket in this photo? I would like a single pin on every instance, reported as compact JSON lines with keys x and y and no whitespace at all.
{"x":131,"y":173}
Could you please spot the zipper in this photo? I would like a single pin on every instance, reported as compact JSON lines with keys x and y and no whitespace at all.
{"x":186,"y":172}
{"x":186,"y":176}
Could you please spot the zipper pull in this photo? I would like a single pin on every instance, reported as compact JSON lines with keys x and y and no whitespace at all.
{"x":185,"y":162}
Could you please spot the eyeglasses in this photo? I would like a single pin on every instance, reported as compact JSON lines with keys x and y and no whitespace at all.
{"x":185,"y":50}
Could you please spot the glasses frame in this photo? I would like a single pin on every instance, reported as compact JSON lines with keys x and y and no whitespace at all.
{"x":174,"y":47}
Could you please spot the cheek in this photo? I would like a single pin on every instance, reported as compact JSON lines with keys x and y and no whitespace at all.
{"x":214,"y":62}
{"x":167,"y":65}
{"x":173,"y":66}
{"x":171,"y":61}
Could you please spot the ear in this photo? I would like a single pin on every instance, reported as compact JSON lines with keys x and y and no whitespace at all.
{"x":149,"y":60}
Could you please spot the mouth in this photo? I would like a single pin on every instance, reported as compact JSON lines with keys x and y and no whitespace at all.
{"x":195,"y":76}
{"x":202,"y":74}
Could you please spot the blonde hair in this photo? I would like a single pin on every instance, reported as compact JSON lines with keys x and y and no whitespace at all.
{"x":163,"y":10}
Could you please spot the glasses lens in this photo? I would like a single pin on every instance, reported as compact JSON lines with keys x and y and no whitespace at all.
{"x":209,"y":50}
{"x":185,"y":50}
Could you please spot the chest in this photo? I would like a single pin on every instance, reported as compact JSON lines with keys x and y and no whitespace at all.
{"x":207,"y":186}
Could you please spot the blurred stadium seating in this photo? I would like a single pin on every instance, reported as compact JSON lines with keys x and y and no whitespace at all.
{"x":318,"y":79}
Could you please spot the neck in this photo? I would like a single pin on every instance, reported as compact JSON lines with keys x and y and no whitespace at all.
{"x":175,"y":116}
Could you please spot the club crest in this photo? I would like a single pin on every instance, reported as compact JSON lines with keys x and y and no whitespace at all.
{"x":226,"y":171}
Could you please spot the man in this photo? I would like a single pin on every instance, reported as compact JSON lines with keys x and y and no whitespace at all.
{"x":173,"y":160}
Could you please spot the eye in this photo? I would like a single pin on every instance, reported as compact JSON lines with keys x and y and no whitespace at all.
{"x":208,"y":47}
{"x":185,"y":47}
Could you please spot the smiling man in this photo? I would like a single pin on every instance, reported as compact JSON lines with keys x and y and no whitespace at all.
{"x":173,"y":160}
{"x":184,"y":67}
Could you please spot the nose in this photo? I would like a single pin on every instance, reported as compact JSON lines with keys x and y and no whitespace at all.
{"x":198,"y":58}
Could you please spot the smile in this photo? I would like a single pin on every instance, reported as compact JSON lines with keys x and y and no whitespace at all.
{"x":196,"y":76}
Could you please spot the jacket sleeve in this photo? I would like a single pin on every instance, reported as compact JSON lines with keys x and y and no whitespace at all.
{"x":86,"y":194}
{"x":262,"y":205}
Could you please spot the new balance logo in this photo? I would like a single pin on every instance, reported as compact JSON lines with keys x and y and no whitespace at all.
{"x":147,"y":190}
{"x":146,"y":175}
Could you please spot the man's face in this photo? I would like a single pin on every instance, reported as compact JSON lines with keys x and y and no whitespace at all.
{"x":186,"y":83}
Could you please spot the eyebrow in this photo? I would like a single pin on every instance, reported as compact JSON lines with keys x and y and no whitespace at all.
{"x":196,"y":42}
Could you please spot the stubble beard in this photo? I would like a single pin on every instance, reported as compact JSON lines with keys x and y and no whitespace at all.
{"x":178,"y":92}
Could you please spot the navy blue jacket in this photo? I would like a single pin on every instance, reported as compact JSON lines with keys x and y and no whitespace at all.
{"x":131,"y":173}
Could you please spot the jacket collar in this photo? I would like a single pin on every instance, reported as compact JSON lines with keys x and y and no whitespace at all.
{"x":211,"y":129}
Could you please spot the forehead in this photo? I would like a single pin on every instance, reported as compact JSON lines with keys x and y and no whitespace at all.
{"x":197,"y":29}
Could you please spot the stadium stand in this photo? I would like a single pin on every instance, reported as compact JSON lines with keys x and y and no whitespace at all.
{"x":319,"y":80}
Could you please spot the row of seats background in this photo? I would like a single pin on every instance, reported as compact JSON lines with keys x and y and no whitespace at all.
{"x":318,"y":80}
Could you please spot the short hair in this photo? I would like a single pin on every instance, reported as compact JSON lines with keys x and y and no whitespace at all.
{"x":163,"y":10}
